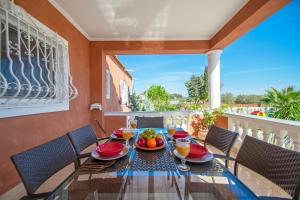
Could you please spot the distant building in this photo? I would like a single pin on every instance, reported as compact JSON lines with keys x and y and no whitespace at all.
{"x":118,"y":85}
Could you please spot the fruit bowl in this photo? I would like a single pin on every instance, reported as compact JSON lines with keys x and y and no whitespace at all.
{"x":150,"y":149}
{"x":149,"y":140}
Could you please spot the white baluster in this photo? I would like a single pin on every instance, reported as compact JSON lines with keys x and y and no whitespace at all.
{"x":173,"y":120}
{"x":165,"y":120}
{"x":245,"y":128}
{"x":231,"y":125}
{"x":296,"y":140}
{"x":280,"y":137}
{"x":255,"y":132}
{"x":267,"y":133}
{"x":237,"y":126}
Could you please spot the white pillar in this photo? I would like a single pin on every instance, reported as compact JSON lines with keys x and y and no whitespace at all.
{"x":214,"y":82}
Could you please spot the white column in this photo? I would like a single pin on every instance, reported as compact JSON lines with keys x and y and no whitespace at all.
{"x":214,"y":82}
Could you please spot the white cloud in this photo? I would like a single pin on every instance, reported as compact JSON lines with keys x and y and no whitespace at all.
{"x":252,"y":71}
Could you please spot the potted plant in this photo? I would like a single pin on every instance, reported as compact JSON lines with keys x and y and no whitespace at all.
{"x":202,"y":122}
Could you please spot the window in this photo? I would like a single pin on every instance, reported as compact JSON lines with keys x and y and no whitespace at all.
{"x":107,"y":83}
{"x":123,"y":92}
{"x":34,"y":67}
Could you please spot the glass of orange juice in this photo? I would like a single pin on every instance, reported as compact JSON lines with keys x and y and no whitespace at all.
{"x":133,"y":123}
{"x":127,"y":133}
{"x":183,"y":149}
{"x":171,"y":129}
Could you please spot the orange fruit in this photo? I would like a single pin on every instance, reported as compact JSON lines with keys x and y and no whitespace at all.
{"x":159,"y":136}
{"x":151,"y":143}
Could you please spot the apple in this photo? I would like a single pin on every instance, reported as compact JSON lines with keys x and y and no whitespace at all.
{"x":159,"y":142}
{"x":142,"y":142}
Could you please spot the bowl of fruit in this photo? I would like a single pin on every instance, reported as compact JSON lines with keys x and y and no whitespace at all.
{"x":149,"y":140}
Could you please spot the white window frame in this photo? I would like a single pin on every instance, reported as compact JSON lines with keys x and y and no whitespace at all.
{"x":107,"y":83}
{"x":123,"y":93}
{"x":55,"y":94}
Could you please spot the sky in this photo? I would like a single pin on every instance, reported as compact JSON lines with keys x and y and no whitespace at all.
{"x":267,"y":56}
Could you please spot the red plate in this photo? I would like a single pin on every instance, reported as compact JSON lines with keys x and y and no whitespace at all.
{"x":118,"y":133}
{"x":197,"y":151}
{"x":180,"y":134}
{"x":109,"y":149}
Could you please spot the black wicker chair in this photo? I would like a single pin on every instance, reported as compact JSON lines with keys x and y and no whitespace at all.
{"x":221,"y":139}
{"x":82,"y":138}
{"x":150,"y":122}
{"x":38,"y":164}
{"x":279,"y":165}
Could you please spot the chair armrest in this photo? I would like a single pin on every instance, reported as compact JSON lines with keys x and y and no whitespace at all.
{"x":223,"y":157}
{"x":36,"y":196}
{"x":198,"y":139}
{"x":272,"y":198}
{"x":84,"y":155}
{"x":105,"y":138}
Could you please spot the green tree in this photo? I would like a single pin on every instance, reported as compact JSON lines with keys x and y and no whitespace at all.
{"x":241,"y":99}
{"x":286,"y":103}
{"x":175,"y":96}
{"x":134,"y":103}
{"x":197,"y":87}
{"x":246,"y":99}
{"x":158,"y":95}
{"x":228,"y":98}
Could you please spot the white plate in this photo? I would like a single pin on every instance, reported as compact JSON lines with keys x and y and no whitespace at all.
{"x":171,"y":137}
{"x":124,"y":152}
{"x":208,"y":157}
{"x":113,"y":136}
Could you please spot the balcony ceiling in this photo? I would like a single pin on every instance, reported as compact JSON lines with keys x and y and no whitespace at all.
{"x":149,"y":19}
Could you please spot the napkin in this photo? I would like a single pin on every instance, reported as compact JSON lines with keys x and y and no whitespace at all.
{"x":118,"y":133}
{"x":197,"y":151}
{"x":109,"y":149}
{"x":180,"y":134}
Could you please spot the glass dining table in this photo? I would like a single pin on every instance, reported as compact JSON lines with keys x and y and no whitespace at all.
{"x":153,"y":175}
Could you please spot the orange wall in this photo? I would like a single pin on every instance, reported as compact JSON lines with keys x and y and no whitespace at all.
{"x":114,"y":123}
{"x":117,"y":73}
{"x":21,"y":133}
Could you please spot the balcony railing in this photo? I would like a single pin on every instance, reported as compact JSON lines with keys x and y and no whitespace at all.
{"x":180,"y":118}
{"x":248,"y":110}
{"x":280,"y":132}
{"x":284,"y":133}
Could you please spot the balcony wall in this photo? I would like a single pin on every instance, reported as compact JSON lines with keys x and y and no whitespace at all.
{"x":21,"y":133}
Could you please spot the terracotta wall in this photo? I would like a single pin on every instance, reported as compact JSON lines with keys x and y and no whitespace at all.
{"x":99,"y":58}
{"x":21,"y":133}
{"x":114,"y":122}
{"x":118,"y":73}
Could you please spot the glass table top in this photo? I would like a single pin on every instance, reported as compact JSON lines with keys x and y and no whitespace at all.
{"x":154,"y":175}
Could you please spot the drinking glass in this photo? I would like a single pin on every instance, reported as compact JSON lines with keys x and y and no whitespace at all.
{"x":133,"y":123}
{"x":183,"y":148}
{"x":171,"y":129}
{"x":127,"y":134}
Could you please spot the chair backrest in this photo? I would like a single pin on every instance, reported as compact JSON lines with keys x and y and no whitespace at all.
{"x":82,"y":138}
{"x":221,"y":138}
{"x":150,"y":122}
{"x":38,"y":164}
{"x":279,"y":165}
